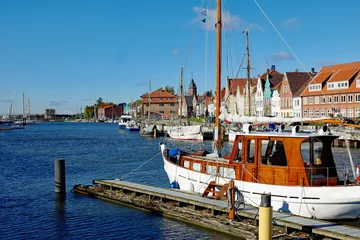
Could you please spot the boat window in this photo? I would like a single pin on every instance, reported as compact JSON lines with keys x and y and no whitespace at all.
{"x":251,"y":151}
{"x":273,"y":153}
{"x":186,"y":164}
{"x":239,"y":153}
{"x":197,"y":167}
{"x":227,"y":172}
{"x":210,"y":169}
{"x":305,"y":153}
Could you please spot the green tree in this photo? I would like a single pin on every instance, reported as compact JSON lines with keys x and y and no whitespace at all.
{"x":89,"y":112}
{"x":99,"y":102}
{"x":170,"y":89}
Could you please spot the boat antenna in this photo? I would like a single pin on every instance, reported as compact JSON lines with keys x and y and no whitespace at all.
{"x":218,"y":74}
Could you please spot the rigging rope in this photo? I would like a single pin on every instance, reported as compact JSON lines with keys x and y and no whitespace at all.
{"x":140,"y":166}
{"x":312,"y":77}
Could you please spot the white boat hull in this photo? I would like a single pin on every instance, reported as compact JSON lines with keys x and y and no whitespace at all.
{"x":325,"y":202}
{"x":185,"y":132}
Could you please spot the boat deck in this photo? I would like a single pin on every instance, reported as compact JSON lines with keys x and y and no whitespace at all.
{"x":289,"y":222}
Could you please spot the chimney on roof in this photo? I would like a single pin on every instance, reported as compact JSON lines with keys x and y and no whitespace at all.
{"x":272,"y":67}
{"x":312,"y":70}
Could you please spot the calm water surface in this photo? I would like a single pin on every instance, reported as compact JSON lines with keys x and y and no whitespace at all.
{"x":29,"y":209}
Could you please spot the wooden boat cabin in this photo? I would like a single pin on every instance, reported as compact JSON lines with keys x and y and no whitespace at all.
{"x":285,"y":158}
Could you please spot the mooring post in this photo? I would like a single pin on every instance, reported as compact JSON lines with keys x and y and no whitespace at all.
{"x":265,"y":218}
{"x":59,"y":176}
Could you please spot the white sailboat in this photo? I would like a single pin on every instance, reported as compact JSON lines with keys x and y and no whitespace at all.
{"x":192,"y":132}
{"x":297,"y":169}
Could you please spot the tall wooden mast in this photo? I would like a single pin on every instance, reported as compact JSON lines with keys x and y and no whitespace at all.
{"x":248,"y":72}
{"x":181,"y":92}
{"x":218,"y":71}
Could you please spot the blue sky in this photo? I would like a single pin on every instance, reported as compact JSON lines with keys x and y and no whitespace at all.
{"x":66,"y":54}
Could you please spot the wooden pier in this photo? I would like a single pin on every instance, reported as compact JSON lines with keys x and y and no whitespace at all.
{"x":212,"y":213}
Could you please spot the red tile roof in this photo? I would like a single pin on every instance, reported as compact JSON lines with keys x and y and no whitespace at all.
{"x":333,"y":73}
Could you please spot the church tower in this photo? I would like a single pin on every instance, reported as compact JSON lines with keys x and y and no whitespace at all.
{"x":192,"y":88}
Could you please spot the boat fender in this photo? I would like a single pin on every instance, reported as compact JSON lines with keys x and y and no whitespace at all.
{"x":358,"y":173}
{"x":295,"y":129}
{"x":175,"y":185}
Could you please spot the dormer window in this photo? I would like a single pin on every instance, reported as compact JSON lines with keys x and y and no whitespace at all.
{"x":338,"y":85}
{"x":315,"y":87}
{"x":358,"y":83}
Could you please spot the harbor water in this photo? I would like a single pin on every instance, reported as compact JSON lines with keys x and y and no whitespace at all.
{"x":29,"y":208}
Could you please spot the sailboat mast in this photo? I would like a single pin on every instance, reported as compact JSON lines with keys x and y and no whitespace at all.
{"x":181,"y":92}
{"x":149,"y":101}
{"x":248,"y":71}
{"x":218,"y":71}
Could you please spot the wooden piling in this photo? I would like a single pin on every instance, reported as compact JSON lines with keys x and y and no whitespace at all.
{"x":59,"y":176}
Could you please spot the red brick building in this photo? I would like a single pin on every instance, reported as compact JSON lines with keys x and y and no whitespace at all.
{"x":160,"y":103}
{"x":335,"y":89}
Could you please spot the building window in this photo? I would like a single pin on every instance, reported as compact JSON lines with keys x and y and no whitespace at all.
{"x":350,"y":113}
{"x":161,"y":104}
{"x":160,"y":99}
{"x":316,"y":100}
{"x":297,"y":102}
{"x":350,"y":97}
{"x":311,"y":100}
{"x":162,"y":112}
{"x":305,"y":100}
{"x":357,"y":112}
{"x":342,"y":98}
{"x":357,"y":97}
{"x":317,"y":113}
{"x":172,"y":104}
{"x":336,"y":99}
{"x":343,"y":112}
{"x":329,"y":112}
{"x":329,"y":99}
{"x":323,"y":113}
{"x":311,"y":113}
{"x":323,"y":100}
{"x":358,"y":83}
{"x":305,"y":113}
{"x":147,"y":105}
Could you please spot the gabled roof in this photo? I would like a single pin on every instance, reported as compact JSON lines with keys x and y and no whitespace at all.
{"x":159,"y":93}
{"x":275,"y":79}
{"x":277,"y":86}
{"x":298,"y":79}
{"x":302,"y":88}
{"x":241,"y":82}
{"x":273,"y":72}
{"x":343,"y":75}
{"x":335,"y":73}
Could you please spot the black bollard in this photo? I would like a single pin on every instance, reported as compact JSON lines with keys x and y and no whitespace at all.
{"x":59,"y":175}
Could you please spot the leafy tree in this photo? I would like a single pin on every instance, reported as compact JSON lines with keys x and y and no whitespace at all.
{"x":99,"y":102}
{"x":170,"y":89}
{"x":89,"y":112}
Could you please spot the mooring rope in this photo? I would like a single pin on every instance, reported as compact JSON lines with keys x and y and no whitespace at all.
{"x":139,"y":166}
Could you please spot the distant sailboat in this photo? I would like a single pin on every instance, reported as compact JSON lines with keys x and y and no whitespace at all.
{"x":184,"y":132}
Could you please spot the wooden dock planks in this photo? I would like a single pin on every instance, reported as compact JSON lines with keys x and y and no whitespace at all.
{"x":311,"y":226}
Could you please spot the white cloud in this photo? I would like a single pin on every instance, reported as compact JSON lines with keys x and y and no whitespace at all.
{"x":291,"y":22}
{"x":278,"y":56}
{"x":230,"y":21}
